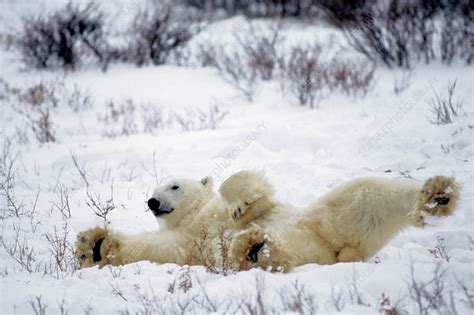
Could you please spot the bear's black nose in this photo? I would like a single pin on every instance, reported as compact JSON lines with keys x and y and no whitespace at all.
{"x":154,"y":204}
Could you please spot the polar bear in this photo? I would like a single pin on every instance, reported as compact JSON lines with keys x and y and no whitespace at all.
{"x":352,"y":222}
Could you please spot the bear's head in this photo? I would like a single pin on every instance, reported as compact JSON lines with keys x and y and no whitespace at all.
{"x":247,"y":195}
{"x":177,"y":202}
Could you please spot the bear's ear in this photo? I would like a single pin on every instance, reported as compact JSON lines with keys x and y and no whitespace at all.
{"x":207,"y":181}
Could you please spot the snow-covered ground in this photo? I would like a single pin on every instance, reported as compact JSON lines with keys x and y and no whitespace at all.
{"x":304,"y":152}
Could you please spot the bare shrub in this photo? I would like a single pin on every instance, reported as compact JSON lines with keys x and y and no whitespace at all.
{"x":387,"y":308}
{"x":104,"y":175}
{"x":354,"y":293}
{"x":128,"y":172}
{"x":402,"y":82}
{"x":7,"y":158}
{"x":37,"y":42}
{"x":351,"y":78}
{"x":202,"y":250}
{"x":80,"y":169}
{"x":296,"y":299}
{"x":444,"y":108}
{"x":260,"y":49}
{"x":48,"y":94}
{"x":127,"y":118}
{"x":158,"y":30}
{"x":7,"y":41}
{"x":6,"y":90}
{"x":267,"y":8}
{"x":10,"y":205}
{"x":116,"y":291}
{"x":186,"y":294}
{"x":115,"y":271}
{"x":62,"y":204}
{"x":203,"y":254}
{"x":182,"y":56}
{"x":379,"y":38}
{"x":234,"y":69}
{"x":22,"y":135}
{"x":39,"y":308}
{"x":199,"y":119}
{"x":21,"y":251}
{"x":152,"y":117}
{"x":429,"y":295}
{"x":101,"y":208}
{"x":178,"y":301}
{"x":440,"y":250}
{"x":36,"y":104}
{"x":256,"y":304}
{"x":55,"y":93}
{"x":254,"y":57}
{"x":120,"y":118}
{"x":88,"y":308}
{"x":226,"y":266}
{"x":63,"y":308}
{"x":303,"y":74}
{"x":405,"y":31}
{"x":34,"y":222}
{"x":455,"y":28}
{"x":42,"y":126}
{"x":40,"y":93}
{"x":78,"y":99}
{"x":337,"y":299}
{"x":3,"y":271}
{"x":151,"y":303}
{"x":468,"y":298}
{"x":343,"y":12}
{"x":182,"y":281}
{"x":207,"y":55}
{"x":62,"y":252}
{"x":13,"y":207}
{"x":153,"y":172}
{"x":63,"y":38}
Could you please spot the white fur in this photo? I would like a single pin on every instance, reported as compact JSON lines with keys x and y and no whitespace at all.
{"x":351,"y":222}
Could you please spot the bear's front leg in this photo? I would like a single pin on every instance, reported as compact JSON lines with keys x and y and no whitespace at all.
{"x":254,"y":248}
{"x":96,"y":246}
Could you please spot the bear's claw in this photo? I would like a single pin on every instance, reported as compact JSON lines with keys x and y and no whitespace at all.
{"x":238,"y":213}
{"x":252,"y":255}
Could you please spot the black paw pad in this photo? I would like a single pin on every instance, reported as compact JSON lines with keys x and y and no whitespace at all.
{"x":441,"y":200}
{"x":96,"y":250}
{"x":252,"y":255}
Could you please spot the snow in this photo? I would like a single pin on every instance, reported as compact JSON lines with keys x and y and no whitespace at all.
{"x":304,"y":153}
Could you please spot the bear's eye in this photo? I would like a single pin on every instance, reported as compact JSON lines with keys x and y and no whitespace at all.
{"x":246,"y":203}
{"x":175,"y":187}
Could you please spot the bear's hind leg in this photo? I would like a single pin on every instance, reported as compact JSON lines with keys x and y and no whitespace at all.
{"x":254,"y":248}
